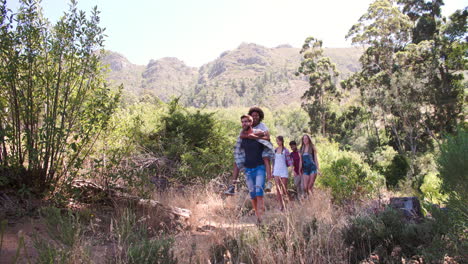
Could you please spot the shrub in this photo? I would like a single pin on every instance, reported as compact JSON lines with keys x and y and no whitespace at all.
{"x":384,"y":232}
{"x":431,"y":189}
{"x":54,"y":98}
{"x":360,"y":236}
{"x":197,"y":142}
{"x":346,"y":174}
{"x":397,"y":170}
{"x":453,"y":168}
{"x":452,"y":163}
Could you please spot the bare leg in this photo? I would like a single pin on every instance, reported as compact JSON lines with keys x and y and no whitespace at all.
{"x":298,"y":184}
{"x":279,"y":191}
{"x":254,"y":205}
{"x":235,"y":174}
{"x":305,"y":183}
{"x":260,"y":207}
{"x":284,"y":187}
{"x":311,"y":183}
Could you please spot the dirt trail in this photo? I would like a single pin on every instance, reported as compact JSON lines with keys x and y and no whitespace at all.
{"x":212,"y":218}
{"x":25,"y":227}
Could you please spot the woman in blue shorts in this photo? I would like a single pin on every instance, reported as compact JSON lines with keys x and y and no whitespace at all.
{"x":309,"y":163}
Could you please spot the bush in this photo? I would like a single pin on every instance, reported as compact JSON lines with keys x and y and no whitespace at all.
{"x":453,"y":168}
{"x":431,"y":189}
{"x":47,"y":131}
{"x":397,"y":170}
{"x":452,"y":163}
{"x":163,"y":141}
{"x":345,"y":173}
{"x":383,"y":233}
{"x":197,"y":142}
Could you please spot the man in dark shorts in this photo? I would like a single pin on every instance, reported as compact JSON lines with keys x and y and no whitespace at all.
{"x":248,"y":155}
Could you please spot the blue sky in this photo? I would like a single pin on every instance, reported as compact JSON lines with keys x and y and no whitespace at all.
{"x":197,"y":31}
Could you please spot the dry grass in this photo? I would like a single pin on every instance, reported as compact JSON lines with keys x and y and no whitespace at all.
{"x":223,"y":229}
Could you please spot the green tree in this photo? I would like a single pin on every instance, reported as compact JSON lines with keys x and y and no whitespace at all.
{"x":452,"y":163}
{"x":453,"y":168}
{"x":322,"y":74}
{"x":54,"y":100}
{"x":408,"y":80}
{"x":447,"y":41}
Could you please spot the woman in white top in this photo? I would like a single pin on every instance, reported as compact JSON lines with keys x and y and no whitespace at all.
{"x":280,"y":170}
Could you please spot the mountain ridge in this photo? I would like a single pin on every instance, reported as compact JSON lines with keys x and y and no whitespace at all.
{"x":249,"y":74}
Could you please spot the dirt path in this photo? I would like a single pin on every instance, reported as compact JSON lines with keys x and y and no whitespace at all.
{"x":25,"y":227}
{"x":212,"y":219}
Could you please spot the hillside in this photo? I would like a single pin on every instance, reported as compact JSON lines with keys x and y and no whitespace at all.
{"x":122,"y":71}
{"x":250,"y":74}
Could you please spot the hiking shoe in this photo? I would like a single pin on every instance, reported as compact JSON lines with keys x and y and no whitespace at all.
{"x":231,"y":190}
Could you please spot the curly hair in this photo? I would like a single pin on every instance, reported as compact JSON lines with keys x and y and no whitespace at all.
{"x":258,"y":110}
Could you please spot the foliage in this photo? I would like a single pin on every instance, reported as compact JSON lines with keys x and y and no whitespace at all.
{"x":382,"y":158}
{"x":321,"y":74}
{"x":452,"y":163}
{"x":290,"y":122}
{"x":130,"y":129}
{"x":431,"y":189}
{"x":345,"y":173}
{"x":383,"y":233}
{"x":151,"y":139}
{"x":349,"y":178}
{"x":196,"y":141}
{"x":54,"y":98}
{"x":397,"y":170}
{"x":342,"y":127}
{"x":409,"y":79}
{"x":192,"y":129}
{"x":427,"y":181}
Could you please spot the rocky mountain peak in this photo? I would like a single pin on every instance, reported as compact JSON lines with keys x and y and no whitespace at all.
{"x":249,"y":74}
{"x":116,"y":61}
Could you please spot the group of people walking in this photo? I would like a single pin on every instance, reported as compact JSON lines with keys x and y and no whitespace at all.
{"x":253,"y":153}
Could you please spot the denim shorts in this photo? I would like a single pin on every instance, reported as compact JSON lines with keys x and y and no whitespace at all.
{"x":255,"y":179}
{"x":308,"y":165}
{"x":308,"y":170}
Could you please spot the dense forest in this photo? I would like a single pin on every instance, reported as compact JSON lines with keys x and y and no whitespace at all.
{"x":103,"y":161}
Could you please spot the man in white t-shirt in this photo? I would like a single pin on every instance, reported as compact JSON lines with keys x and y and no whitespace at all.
{"x":261,"y":132}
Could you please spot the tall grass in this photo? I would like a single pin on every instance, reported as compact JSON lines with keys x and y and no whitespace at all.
{"x":309,"y":231}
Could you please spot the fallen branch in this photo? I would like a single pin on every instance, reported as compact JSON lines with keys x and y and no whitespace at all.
{"x":89,"y":190}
